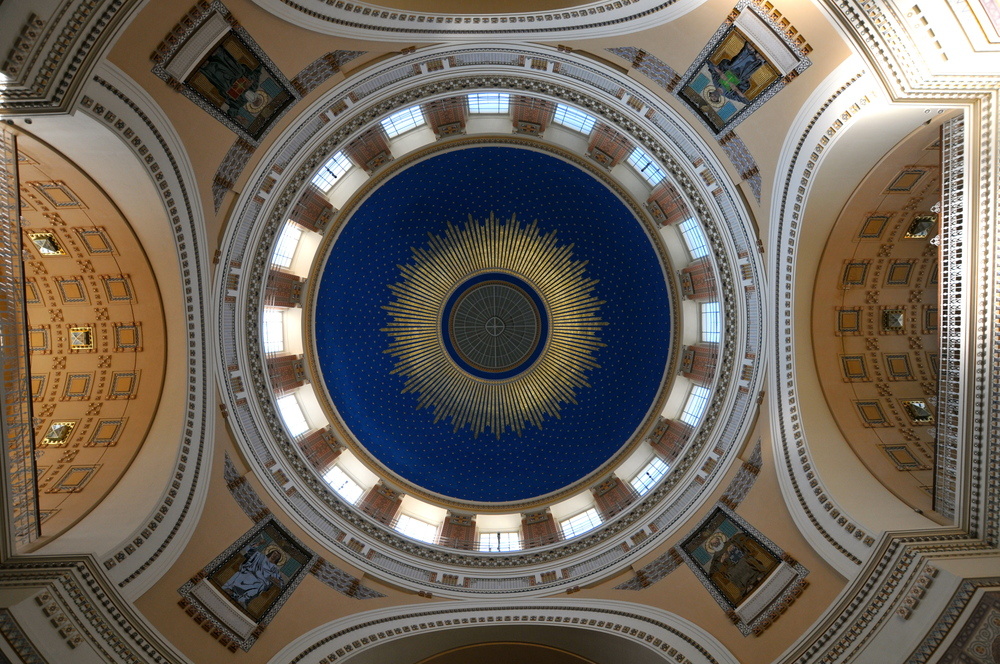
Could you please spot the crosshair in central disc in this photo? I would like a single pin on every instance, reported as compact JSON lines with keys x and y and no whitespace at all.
{"x":494,"y":325}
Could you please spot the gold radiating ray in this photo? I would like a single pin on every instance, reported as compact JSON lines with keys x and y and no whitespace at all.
{"x":457,"y":396}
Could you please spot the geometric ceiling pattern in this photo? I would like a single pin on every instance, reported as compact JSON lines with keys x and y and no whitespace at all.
{"x":875,"y":315}
{"x":95,"y":333}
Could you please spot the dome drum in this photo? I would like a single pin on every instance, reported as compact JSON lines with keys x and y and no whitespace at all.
{"x":315,"y":500}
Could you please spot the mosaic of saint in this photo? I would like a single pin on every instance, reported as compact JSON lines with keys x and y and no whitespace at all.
{"x":255,"y":575}
{"x":731,"y":77}
{"x":234,"y":81}
{"x":732,"y":560}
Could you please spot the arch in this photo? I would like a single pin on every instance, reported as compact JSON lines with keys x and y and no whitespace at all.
{"x":839,"y":506}
{"x":584,"y":21}
{"x":604,"y":631}
{"x":121,"y":137}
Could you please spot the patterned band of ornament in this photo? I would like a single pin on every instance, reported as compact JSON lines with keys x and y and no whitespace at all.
{"x":546,"y":369}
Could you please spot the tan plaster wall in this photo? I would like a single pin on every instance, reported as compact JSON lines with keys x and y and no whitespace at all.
{"x":313,"y":604}
{"x":62,"y":499}
{"x":289,"y":47}
{"x":857,"y":149}
{"x":222,"y":522}
{"x":914,"y":342}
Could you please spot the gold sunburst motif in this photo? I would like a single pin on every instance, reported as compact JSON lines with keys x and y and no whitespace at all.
{"x":524,"y":266}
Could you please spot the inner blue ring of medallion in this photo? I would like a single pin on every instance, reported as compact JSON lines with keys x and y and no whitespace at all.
{"x":461,"y":358}
{"x":397,"y":219}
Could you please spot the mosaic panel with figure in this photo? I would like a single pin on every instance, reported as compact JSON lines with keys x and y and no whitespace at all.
{"x":750,"y":577}
{"x":246,"y":585}
{"x":746,"y":62}
{"x":734,"y":75}
{"x":234,"y":81}
{"x":255,"y":575}
{"x":729,"y":557}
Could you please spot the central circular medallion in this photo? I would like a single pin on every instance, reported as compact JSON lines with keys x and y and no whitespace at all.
{"x":473,"y":335}
{"x":493,"y":325}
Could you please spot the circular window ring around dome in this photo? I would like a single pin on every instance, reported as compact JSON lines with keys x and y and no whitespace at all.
{"x":504,"y":362}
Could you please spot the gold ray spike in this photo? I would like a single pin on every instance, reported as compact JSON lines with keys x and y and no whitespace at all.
{"x":521,"y":394}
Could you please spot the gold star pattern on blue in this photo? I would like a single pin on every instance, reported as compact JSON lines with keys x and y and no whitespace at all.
{"x":419,"y":201}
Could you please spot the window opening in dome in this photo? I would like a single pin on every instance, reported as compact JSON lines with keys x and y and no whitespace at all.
{"x":694,"y":238}
{"x":417,"y":529}
{"x":292,"y":415}
{"x":711,"y":322}
{"x":489,"y":103}
{"x":288,"y":241}
{"x":500,"y":541}
{"x":646,"y":167}
{"x":273,"y":330}
{"x":574,"y":119}
{"x":343,"y":484}
{"x":650,"y":475}
{"x":581,"y":523}
{"x":403,"y":121}
{"x":336,"y":166}
{"x":697,"y":402}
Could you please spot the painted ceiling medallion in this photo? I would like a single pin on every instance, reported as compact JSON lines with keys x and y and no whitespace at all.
{"x":494,"y":326}
{"x":471,"y":363}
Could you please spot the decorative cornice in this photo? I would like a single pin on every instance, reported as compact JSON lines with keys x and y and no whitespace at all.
{"x":876,"y":595}
{"x":949,"y":618}
{"x":51,"y":73}
{"x":100,"y":619}
{"x":108,"y":103}
{"x":882,"y":35}
{"x":369,"y":21}
{"x":18,"y":640}
{"x":667,"y":635}
{"x":791,"y":446}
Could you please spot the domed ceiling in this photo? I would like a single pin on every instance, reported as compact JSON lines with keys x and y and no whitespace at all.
{"x":492,"y":323}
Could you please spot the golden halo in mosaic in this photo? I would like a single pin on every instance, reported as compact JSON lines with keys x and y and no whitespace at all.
{"x":494,"y":325}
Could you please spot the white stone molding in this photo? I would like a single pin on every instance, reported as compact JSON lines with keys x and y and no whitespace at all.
{"x":822,"y":519}
{"x":77,"y":605}
{"x":666,"y":635}
{"x":832,"y":509}
{"x":369,"y":21}
{"x":897,"y":44}
{"x":48,"y":74}
{"x":153,"y":539}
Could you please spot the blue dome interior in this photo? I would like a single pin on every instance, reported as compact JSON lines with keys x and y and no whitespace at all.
{"x":422,"y":199}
